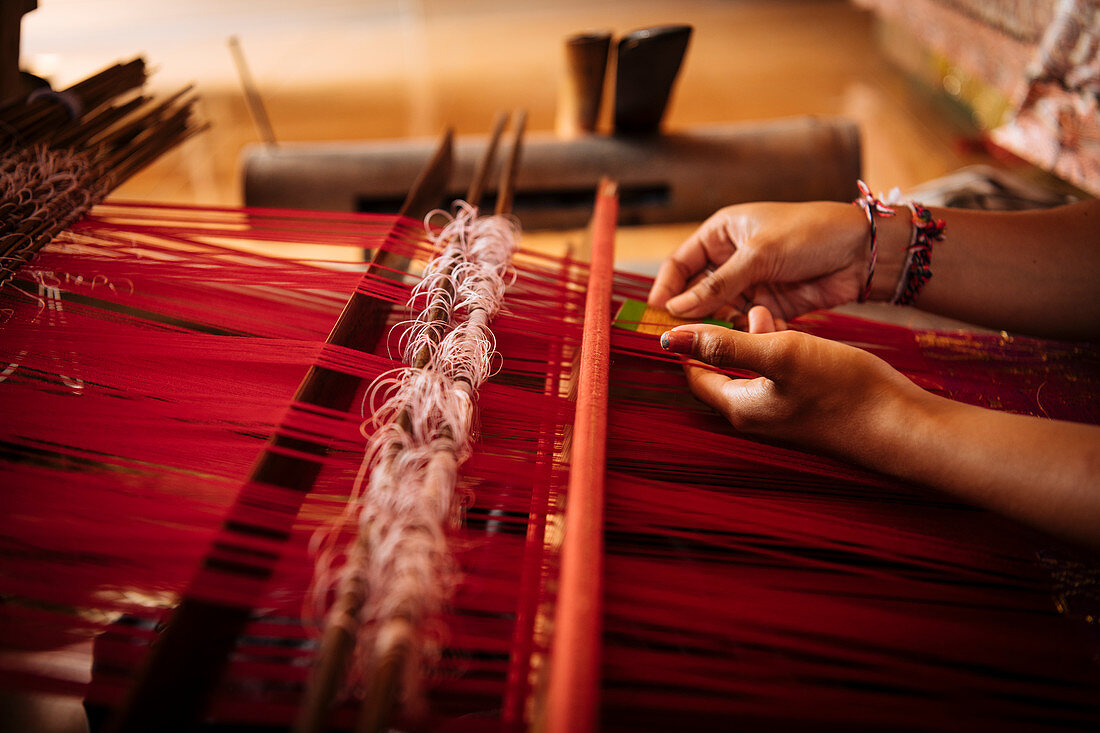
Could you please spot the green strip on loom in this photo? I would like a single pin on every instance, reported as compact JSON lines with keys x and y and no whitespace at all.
{"x":630,"y":314}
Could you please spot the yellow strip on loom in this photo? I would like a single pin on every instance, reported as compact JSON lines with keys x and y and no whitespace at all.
{"x":635,"y":315}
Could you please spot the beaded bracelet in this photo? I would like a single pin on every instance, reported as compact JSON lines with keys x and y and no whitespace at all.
{"x":918,"y":261}
{"x":870,"y":206}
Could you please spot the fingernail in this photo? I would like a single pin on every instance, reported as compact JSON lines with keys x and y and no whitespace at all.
{"x":678,"y":342}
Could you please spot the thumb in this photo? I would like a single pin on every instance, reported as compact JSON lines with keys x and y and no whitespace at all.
{"x":724,"y":347}
{"x":713,"y":291}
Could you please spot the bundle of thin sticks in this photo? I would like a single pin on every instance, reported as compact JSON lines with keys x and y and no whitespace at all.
{"x":64,"y":151}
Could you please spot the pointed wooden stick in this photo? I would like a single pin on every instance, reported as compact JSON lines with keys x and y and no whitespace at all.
{"x":252,"y":96}
{"x":484,"y":168}
{"x":507,"y":190}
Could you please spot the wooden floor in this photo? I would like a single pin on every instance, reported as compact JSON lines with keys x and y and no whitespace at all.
{"x":352,"y":69}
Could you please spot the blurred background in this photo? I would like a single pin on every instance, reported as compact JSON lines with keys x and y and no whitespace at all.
{"x":926,"y":81}
{"x":366,"y":69}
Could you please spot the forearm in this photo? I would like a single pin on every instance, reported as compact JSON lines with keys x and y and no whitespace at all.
{"x":1045,"y":473}
{"x":1033,"y":272}
{"x":834,"y":398}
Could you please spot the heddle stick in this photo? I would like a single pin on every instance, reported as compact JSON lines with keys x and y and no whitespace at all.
{"x":572,"y":702}
{"x":191,"y":654}
{"x":394,"y":645}
{"x":338,"y":638}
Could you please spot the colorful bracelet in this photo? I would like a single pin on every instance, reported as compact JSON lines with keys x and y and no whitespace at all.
{"x":870,"y":206}
{"x":918,"y":262}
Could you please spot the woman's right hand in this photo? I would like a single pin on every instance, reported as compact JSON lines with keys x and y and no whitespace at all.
{"x":791,"y":257}
{"x":833,"y":398}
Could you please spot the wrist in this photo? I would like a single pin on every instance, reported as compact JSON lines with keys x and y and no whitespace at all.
{"x":894,"y":234}
{"x":879,"y":407}
{"x":878,"y":214}
{"x":908,"y":425}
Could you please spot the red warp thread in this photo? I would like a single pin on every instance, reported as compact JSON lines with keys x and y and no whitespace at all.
{"x":745,"y":583}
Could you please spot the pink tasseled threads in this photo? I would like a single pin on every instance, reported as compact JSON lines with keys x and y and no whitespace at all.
{"x":422,"y":419}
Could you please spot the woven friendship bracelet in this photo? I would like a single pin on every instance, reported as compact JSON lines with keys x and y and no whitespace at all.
{"x":871,"y":206}
{"x":918,"y":262}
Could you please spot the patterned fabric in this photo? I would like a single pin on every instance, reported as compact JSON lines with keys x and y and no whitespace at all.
{"x":1057,"y":123}
{"x":1052,"y":76}
{"x":986,"y":51}
{"x":1025,"y":20}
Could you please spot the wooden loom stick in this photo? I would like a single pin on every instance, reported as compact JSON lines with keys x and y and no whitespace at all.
{"x":506,"y":191}
{"x":572,"y":702}
{"x":252,"y":98}
{"x":485,"y":166}
{"x":394,"y":643}
{"x":189,"y":657}
{"x":338,"y":639}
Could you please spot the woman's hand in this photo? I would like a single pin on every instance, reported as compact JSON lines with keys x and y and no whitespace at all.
{"x":833,"y":398}
{"x":792,"y":258}
{"x":1032,"y":272}
{"x":816,"y":393}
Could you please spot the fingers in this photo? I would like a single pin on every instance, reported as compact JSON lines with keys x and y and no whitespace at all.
{"x":671,"y":279}
{"x":713,"y":291}
{"x":683,"y":285}
{"x":742,"y":401}
{"x":708,"y":385}
{"x":723,"y":347}
{"x":760,"y":320}
{"x":730,"y":314}
{"x":689,"y":259}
